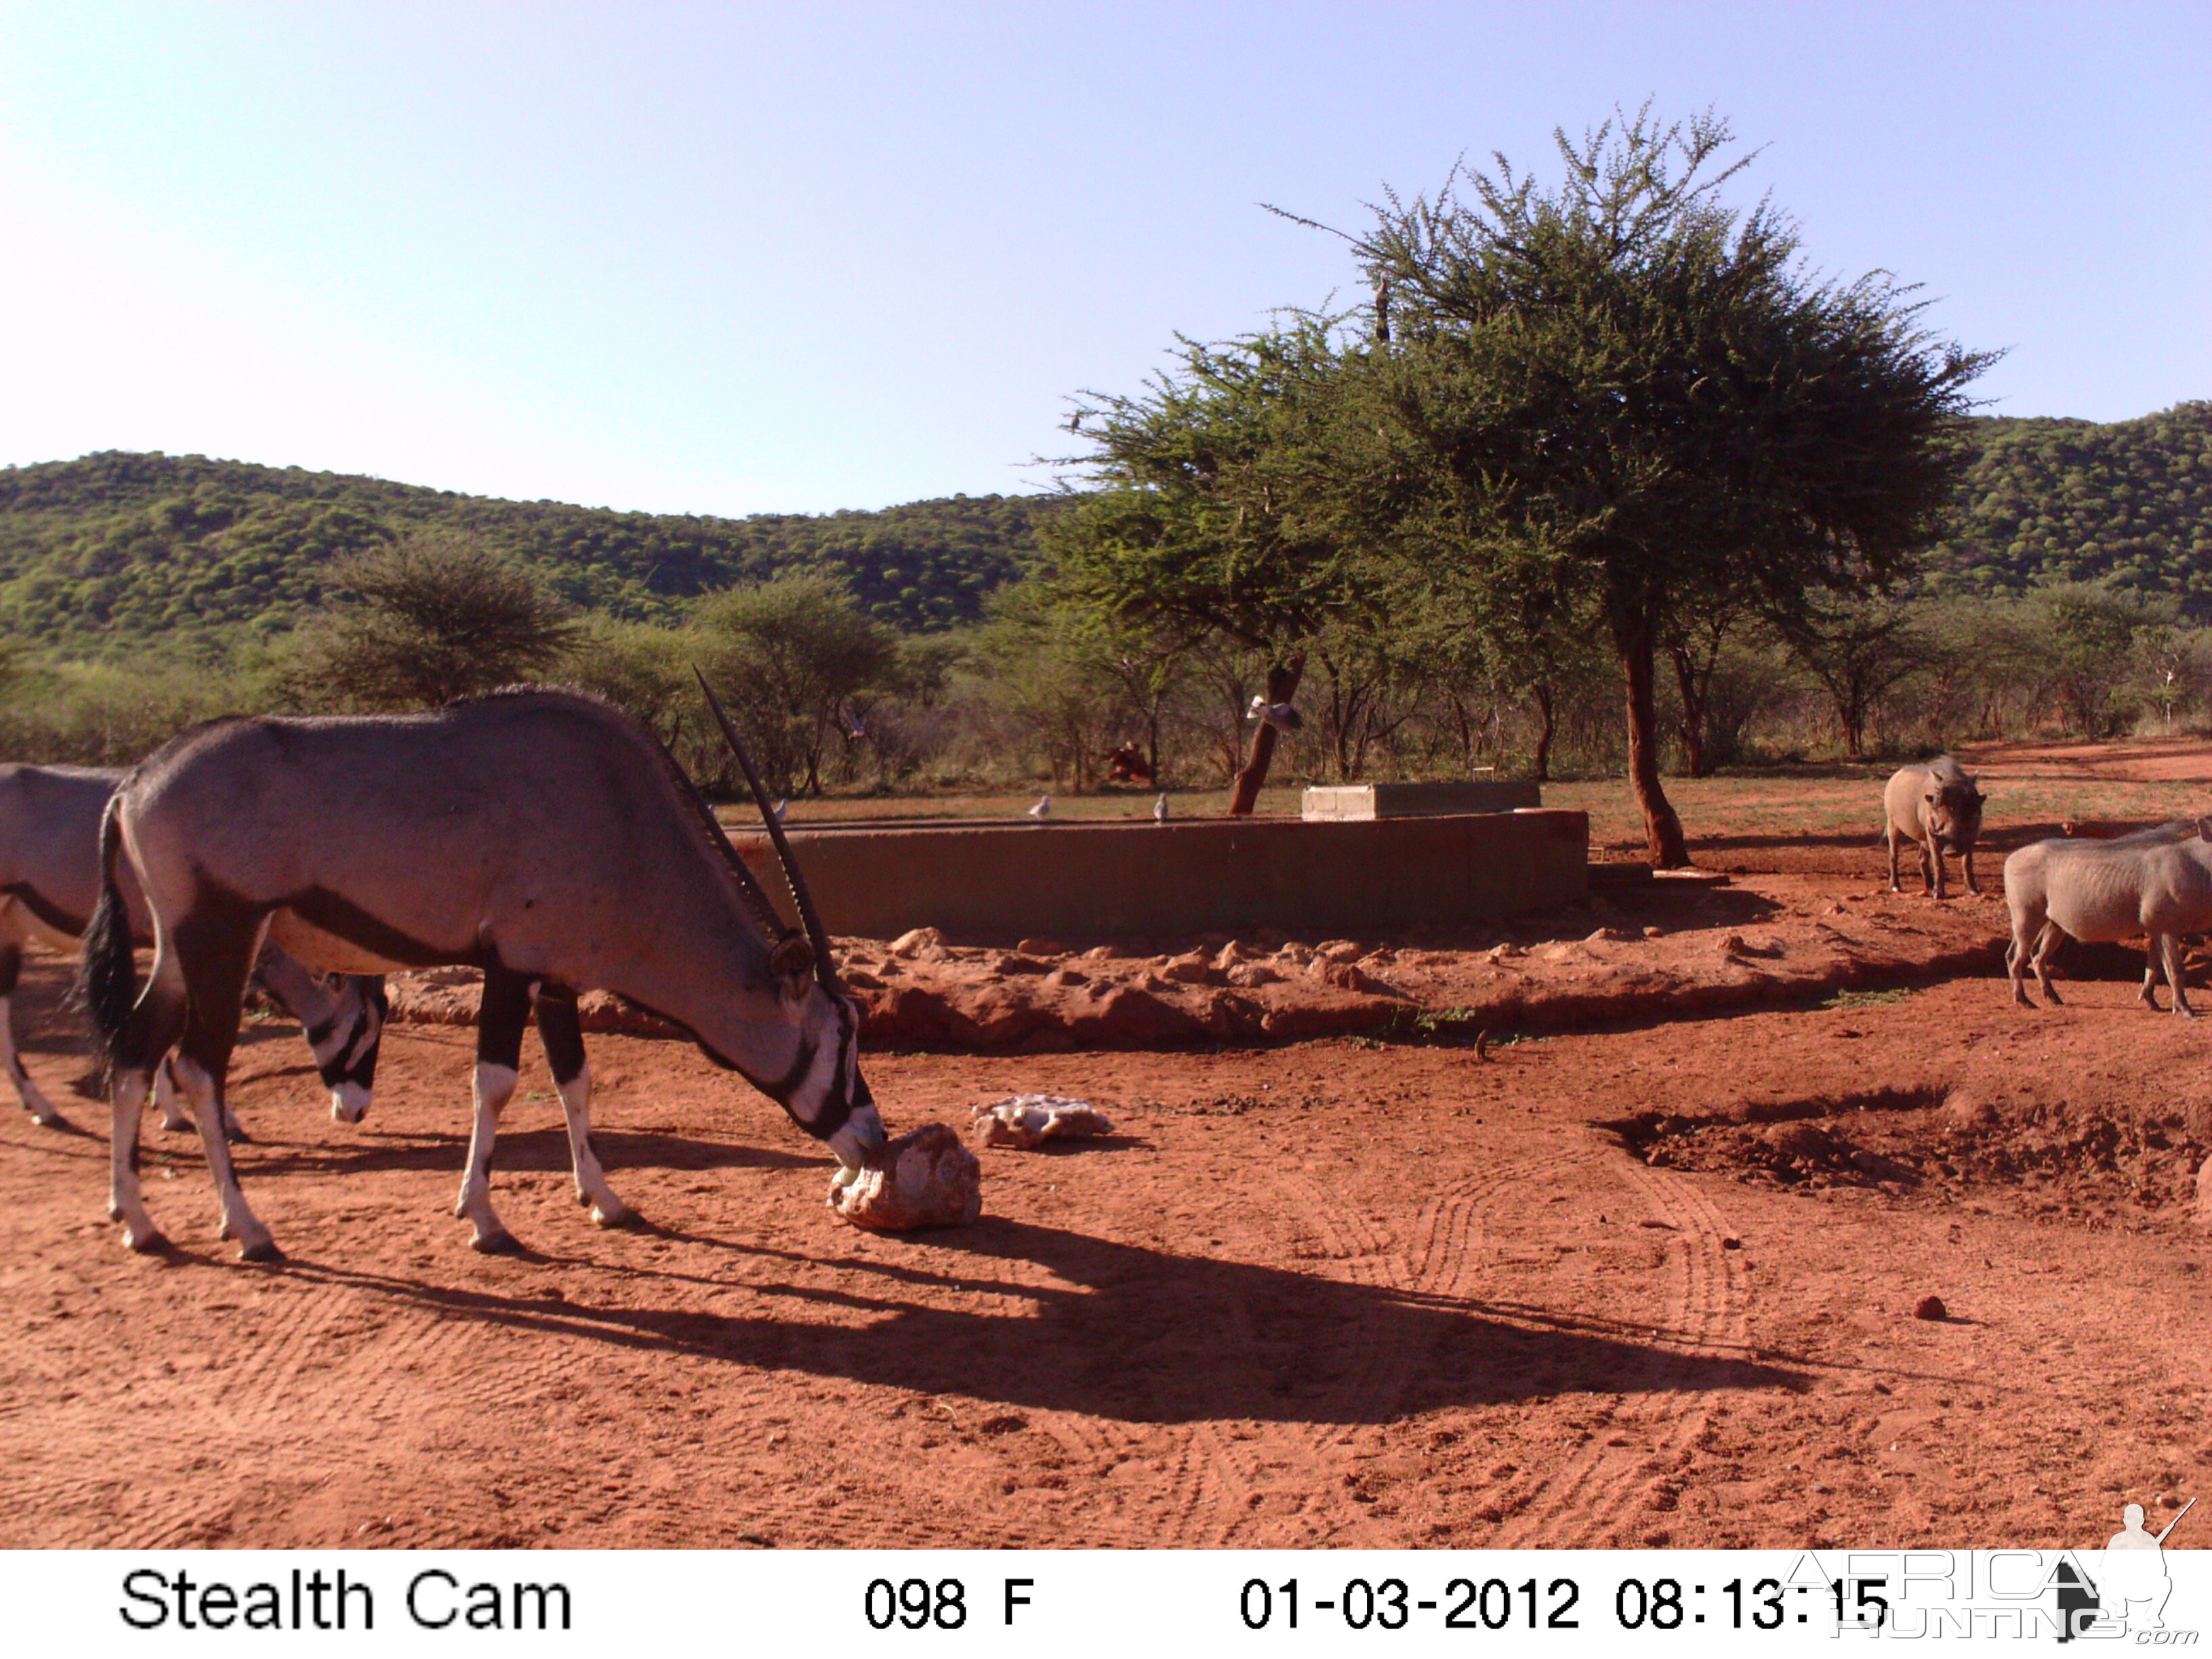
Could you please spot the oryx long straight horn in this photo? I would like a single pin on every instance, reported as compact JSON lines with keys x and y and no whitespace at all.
{"x":817,"y":936}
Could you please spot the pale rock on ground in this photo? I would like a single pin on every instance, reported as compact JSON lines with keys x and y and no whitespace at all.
{"x":1027,"y":1121}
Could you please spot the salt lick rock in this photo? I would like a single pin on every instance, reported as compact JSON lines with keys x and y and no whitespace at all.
{"x":925,"y":1178}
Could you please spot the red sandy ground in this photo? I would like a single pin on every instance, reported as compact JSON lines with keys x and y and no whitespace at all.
{"x":1645,"y":1272}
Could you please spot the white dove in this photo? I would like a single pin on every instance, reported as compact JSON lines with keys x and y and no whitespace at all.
{"x":1043,"y":810}
{"x":1160,"y":810}
{"x":1280,"y":715}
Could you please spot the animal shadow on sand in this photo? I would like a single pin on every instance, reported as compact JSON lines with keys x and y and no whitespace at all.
{"x":543,"y":1151}
{"x":1119,"y":1331}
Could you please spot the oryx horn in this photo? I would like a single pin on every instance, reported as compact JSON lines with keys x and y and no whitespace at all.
{"x":825,"y":970}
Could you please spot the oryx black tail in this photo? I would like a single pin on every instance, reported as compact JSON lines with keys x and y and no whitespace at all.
{"x":106,"y":975}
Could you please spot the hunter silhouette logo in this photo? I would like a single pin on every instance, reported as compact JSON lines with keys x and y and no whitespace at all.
{"x":2126,"y":1584}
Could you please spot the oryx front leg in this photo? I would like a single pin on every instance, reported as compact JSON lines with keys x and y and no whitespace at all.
{"x":209,"y":1111}
{"x":559,"y":1029}
{"x":505,"y":1010}
{"x":35,"y":1100}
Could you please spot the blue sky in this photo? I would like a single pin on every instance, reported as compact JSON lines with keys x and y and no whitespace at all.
{"x":737,"y":258}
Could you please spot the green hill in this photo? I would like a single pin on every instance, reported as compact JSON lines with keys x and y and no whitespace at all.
{"x":99,"y":554}
{"x":110,"y":549}
{"x":2131,"y":502}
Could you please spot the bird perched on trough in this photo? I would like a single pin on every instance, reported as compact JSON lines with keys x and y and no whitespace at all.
{"x":779,"y":808}
{"x":1280,"y":715}
{"x":1043,"y":810}
{"x":1160,"y":810}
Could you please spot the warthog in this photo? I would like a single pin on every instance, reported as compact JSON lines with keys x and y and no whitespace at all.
{"x":2156,"y":881}
{"x":1937,"y":806}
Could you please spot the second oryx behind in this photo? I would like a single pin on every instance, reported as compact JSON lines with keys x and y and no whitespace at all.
{"x":538,"y":836}
{"x":49,"y":882}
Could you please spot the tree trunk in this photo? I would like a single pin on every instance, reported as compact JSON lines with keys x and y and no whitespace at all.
{"x":1851,"y":706}
{"x":1663,"y":830}
{"x":1544,"y":701}
{"x":1466,"y":725}
{"x":1282,"y":686}
{"x":1694,"y":699}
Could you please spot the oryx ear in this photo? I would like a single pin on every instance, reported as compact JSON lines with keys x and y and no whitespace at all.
{"x":2205,"y":828}
{"x":791,"y":962}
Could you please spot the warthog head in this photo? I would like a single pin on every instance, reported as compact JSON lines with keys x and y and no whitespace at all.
{"x":1952,"y":809}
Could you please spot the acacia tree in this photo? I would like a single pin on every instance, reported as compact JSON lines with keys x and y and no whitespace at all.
{"x":1696,"y":638}
{"x":1859,"y":649}
{"x":2090,"y":634}
{"x":1217,"y":508}
{"x":791,"y":653}
{"x":1630,"y":392}
{"x":1503,"y":620}
{"x":436,"y":615}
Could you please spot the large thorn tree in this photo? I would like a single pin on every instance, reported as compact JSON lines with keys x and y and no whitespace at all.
{"x":1624,"y":388}
{"x":1216,"y":507}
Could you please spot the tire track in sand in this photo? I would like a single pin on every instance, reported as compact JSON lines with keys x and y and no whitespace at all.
{"x":1440,"y":1257}
{"x":1606,"y":1494}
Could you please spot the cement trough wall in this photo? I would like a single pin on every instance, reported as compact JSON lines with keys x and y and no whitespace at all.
{"x":1200,"y":875}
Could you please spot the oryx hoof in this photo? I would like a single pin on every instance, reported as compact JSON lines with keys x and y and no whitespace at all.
{"x":2185,"y":1011}
{"x":497,"y":1242}
{"x":145,"y":1241}
{"x":48,"y":1118}
{"x":261,"y":1249}
{"x":615,"y":1213}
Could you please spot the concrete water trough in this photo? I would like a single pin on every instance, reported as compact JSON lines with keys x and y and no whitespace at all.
{"x":1123,"y":879}
{"x":1361,"y":801}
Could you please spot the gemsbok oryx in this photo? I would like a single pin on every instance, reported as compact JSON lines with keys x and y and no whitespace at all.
{"x":49,"y":882}
{"x":538,"y":836}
